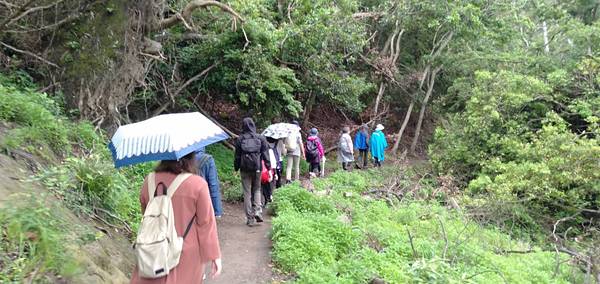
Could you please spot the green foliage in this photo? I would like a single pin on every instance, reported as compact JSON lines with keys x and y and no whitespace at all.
{"x":511,"y":147}
{"x":343,"y":238}
{"x":32,"y":246}
{"x":39,"y":127}
{"x":91,"y":185}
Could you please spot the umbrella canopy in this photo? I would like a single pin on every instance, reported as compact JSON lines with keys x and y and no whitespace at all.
{"x":280,"y":130}
{"x":163,"y":137}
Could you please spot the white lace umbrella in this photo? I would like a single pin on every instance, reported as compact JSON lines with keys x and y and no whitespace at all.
{"x":280,"y":130}
{"x":163,"y":137}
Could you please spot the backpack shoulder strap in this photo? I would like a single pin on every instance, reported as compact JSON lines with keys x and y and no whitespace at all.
{"x":151,"y":185}
{"x":176,"y":183}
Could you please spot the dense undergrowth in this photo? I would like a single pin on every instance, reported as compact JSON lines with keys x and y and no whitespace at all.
{"x":343,"y":235}
{"x":76,"y":166}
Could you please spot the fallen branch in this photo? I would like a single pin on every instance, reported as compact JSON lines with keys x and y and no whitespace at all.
{"x":127,"y":228}
{"x":30,"y":54}
{"x":330,"y":149}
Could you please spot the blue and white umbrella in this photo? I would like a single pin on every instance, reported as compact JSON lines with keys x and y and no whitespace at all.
{"x":163,"y":137}
{"x":280,"y":130}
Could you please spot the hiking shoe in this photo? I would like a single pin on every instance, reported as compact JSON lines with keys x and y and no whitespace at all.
{"x":251,"y":222}
{"x":258,"y":218}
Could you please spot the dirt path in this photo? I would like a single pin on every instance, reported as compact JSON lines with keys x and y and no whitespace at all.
{"x":245,"y":250}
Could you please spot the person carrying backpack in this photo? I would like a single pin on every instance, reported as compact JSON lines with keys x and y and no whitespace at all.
{"x":250,"y":151}
{"x":208,"y":170}
{"x":314,"y":151}
{"x":295,"y":148}
{"x":178,"y":233}
{"x":270,"y":175}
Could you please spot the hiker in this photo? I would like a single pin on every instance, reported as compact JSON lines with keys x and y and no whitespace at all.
{"x":294,"y":148}
{"x":208,"y":170}
{"x":250,"y":152}
{"x":314,"y":152}
{"x":269,"y":176}
{"x":193,"y":218}
{"x":361,"y":142}
{"x":378,"y":145}
{"x":281,"y":151}
{"x":345,"y":149}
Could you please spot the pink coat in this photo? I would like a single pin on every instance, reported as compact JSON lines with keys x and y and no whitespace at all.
{"x":201,"y":245}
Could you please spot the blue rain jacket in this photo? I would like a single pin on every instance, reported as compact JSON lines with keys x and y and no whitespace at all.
{"x":361,"y":140}
{"x":378,"y":145}
{"x":208,"y":170}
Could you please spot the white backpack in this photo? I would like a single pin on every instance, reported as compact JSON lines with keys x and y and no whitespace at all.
{"x":157,"y":246}
{"x":291,"y":142}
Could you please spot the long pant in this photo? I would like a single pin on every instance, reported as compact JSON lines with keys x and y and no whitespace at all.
{"x":362,"y":158}
{"x":377,"y":162}
{"x":267,"y":191}
{"x":293,"y":162}
{"x":315,"y":167}
{"x":279,"y":177}
{"x":252,"y":193}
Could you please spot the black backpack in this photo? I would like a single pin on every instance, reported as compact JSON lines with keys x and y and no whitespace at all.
{"x":312,"y":150}
{"x":250,"y":146}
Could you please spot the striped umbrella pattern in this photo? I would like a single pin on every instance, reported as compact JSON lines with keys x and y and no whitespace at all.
{"x":163,"y":137}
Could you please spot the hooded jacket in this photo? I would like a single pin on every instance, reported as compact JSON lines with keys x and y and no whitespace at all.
{"x":208,"y":170}
{"x":249,"y":131}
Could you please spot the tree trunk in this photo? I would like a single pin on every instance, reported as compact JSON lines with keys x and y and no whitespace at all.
{"x":546,"y":41}
{"x":308,"y":109}
{"x":378,"y":99}
{"x":401,"y":132}
{"x":413,"y":146}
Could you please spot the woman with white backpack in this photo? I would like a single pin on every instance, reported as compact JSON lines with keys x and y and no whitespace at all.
{"x":178,"y":233}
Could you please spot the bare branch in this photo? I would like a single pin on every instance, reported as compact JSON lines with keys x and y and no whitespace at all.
{"x":367,"y":15}
{"x":30,"y":54}
{"x":189,"y":9}
{"x":185,"y":85}
{"x":32,"y":10}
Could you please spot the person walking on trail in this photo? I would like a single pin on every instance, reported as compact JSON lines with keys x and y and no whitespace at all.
{"x":378,"y":145}
{"x":361,"y":142}
{"x":270,"y":177}
{"x":314,"y":152}
{"x":281,"y":153}
{"x":250,"y":151}
{"x":295,"y":149}
{"x":207,"y":169}
{"x":345,"y":149}
{"x":193,"y":218}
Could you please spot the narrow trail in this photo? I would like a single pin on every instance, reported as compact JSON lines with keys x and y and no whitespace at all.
{"x":246,"y":251}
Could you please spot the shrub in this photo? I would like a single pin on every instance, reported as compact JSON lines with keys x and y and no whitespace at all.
{"x":346,"y":239}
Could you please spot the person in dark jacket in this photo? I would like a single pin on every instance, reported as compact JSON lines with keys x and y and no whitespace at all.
{"x":275,"y":169}
{"x":361,"y":142}
{"x":208,"y":170}
{"x":250,"y":150}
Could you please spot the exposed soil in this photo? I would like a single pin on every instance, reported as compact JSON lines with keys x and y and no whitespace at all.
{"x":246,"y":251}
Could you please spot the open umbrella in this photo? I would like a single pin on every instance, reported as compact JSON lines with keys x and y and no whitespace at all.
{"x":163,"y":137}
{"x":280,"y":130}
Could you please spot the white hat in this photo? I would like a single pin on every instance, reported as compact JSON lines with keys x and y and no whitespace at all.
{"x":379,"y":127}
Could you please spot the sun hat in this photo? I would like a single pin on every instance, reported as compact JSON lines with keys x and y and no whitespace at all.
{"x":379,"y":127}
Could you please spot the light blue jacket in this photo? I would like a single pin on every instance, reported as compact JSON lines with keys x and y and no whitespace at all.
{"x":378,"y":145}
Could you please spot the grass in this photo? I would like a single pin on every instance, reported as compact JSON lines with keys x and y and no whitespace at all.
{"x":33,"y":246}
{"x":345,"y":237}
